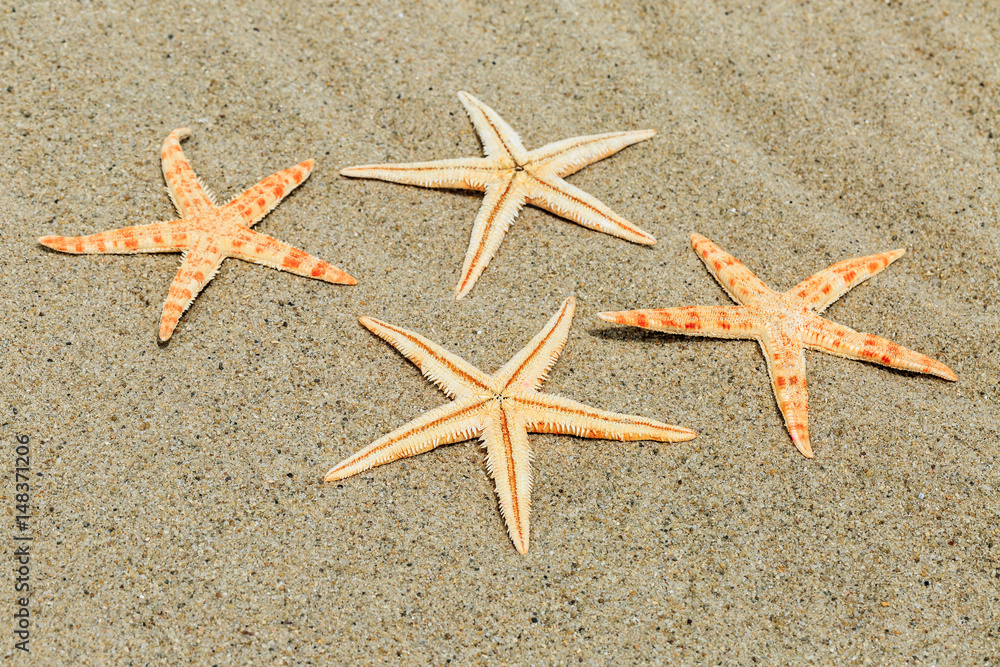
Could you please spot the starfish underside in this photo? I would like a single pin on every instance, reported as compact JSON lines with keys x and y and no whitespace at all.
{"x":206,"y":234}
{"x":784,"y":324}
{"x":512,"y":176}
{"x":501,"y":409}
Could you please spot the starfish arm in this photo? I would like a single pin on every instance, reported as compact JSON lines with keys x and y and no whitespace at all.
{"x":786,"y":365}
{"x":567,"y":201}
{"x":738,"y":281}
{"x":453,"y":422}
{"x":554,"y":414}
{"x":260,"y":248}
{"x":508,"y":460}
{"x":836,"y":339}
{"x":198,"y":267}
{"x":455,"y":376}
{"x":462,"y":174}
{"x":712,"y":321}
{"x":821,"y":289}
{"x":155,"y":237}
{"x":497,"y":136}
{"x":528,"y":368}
{"x":258,"y":201}
{"x":501,"y":205}
{"x":569,"y":156}
{"x":187,"y":192}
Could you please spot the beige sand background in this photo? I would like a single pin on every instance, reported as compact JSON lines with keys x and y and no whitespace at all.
{"x":180,"y":516}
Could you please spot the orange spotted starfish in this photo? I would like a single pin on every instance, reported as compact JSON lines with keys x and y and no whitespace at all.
{"x":784,"y":324}
{"x":206,"y":234}
{"x":501,"y":409}
{"x":512,"y":176}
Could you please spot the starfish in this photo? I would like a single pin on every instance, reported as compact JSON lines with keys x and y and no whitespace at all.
{"x":501,"y":409}
{"x":206,"y":234}
{"x":784,"y":324}
{"x":511,"y":176}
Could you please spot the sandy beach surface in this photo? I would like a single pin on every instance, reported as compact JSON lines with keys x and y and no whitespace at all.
{"x":178,"y":512}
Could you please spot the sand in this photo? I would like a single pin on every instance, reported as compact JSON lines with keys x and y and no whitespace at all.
{"x":179,"y":514}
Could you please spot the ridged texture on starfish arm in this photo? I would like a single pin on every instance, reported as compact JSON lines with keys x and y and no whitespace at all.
{"x":154,"y":237}
{"x":502,"y":204}
{"x":198,"y":266}
{"x":569,"y":156}
{"x":738,"y":281}
{"x":565,"y":416}
{"x":501,"y":409}
{"x":512,"y":176}
{"x":461,"y":174}
{"x":842,"y":341}
{"x":499,"y":138}
{"x":784,"y":324}
{"x":508,"y":461}
{"x":206,"y":234}
{"x":187,"y":192}
{"x":568,"y":201}
{"x":453,"y":422}
{"x":527,"y":369}
{"x":455,"y":376}
{"x":820,"y":290}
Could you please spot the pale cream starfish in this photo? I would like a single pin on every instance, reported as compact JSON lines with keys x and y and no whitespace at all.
{"x":501,"y":409}
{"x":206,"y":234}
{"x":784,"y":324}
{"x":512,"y":176}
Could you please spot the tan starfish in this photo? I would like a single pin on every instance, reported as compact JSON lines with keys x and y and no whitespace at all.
{"x":784,"y":324}
{"x":512,"y":176}
{"x":501,"y":409}
{"x":206,"y":234}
